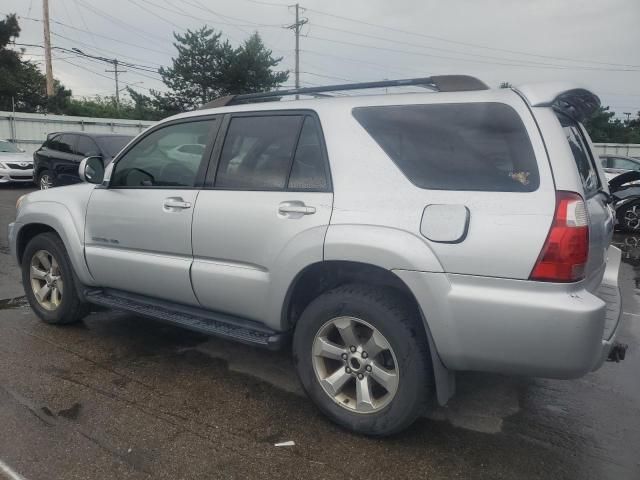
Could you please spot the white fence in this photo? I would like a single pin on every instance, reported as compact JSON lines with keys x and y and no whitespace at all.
{"x":29,"y":130}
{"x":625,"y":149}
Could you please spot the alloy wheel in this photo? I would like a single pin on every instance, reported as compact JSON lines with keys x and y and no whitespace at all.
{"x":46,"y":280}
{"x":632,"y":218}
{"x":45,"y":182}
{"x":355,"y":365}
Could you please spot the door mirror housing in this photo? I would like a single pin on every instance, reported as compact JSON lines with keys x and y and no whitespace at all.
{"x":91,"y":170}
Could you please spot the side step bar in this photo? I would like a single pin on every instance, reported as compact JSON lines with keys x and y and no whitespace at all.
{"x":192,"y":318}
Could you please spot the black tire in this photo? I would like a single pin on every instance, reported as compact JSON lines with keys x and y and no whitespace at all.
{"x":399,"y":322}
{"x":629,"y":225}
{"x":71,"y":309}
{"x":45,"y":173}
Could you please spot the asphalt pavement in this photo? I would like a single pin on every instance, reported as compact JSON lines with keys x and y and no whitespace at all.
{"x":119,"y":396}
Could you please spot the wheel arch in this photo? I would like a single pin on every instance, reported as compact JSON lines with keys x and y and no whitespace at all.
{"x":320,"y":277}
{"x":40,"y":217}
{"x":27,"y":232}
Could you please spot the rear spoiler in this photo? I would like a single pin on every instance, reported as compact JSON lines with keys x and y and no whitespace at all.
{"x":579,"y":103}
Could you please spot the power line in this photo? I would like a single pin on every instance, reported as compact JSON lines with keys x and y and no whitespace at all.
{"x":175,"y":25}
{"x":116,"y":21}
{"x":271,"y":4}
{"x":128,"y":64}
{"x":57,"y":22}
{"x":447,"y":50}
{"x":249,"y":23}
{"x":422,"y":54}
{"x":79,"y":10}
{"x":466,"y":44}
{"x":330,"y":77}
{"x":187,"y":15}
{"x":98,"y":73}
{"x":378,"y":66}
{"x":76,"y":54}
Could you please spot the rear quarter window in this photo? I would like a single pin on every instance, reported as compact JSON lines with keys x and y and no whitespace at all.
{"x":472,"y":146}
{"x":581,"y":154}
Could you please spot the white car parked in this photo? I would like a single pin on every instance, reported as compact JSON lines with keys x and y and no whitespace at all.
{"x":15,"y":165}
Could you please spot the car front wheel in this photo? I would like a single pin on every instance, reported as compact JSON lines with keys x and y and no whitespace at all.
{"x":49,"y":282}
{"x":45,"y":180}
{"x":362,"y":356}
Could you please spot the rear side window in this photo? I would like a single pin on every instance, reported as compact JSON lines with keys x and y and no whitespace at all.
{"x":258,"y":152}
{"x":87,"y":147}
{"x":62,"y":143}
{"x":473,"y":146}
{"x":309,"y":168}
{"x":581,"y":155}
{"x":111,"y":145}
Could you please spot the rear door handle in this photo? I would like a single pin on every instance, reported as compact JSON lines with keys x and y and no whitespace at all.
{"x":175,"y":203}
{"x":295,"y":209}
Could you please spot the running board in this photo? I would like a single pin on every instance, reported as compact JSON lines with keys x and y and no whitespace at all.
{"x":192,"y":318}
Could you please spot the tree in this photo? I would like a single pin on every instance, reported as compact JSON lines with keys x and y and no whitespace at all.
{"x":603,"y":127}
{"x":506,"y":85}
{"x":207,"y":67}
{"x":144,"y":107}
{"x":251,"y":69}
{"x":22,"y":85}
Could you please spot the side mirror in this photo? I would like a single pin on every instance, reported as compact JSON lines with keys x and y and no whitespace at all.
{"x":91,"y":170}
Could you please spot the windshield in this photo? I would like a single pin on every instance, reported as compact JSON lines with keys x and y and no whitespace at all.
{"x":8,"y":147}
{"x":112,"y":145}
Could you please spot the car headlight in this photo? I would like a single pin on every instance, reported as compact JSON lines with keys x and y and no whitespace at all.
{"x":3,"y":165}
{"x":19,"y":201}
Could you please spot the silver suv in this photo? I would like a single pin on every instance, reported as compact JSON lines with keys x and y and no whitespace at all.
{"x":393,"y":239}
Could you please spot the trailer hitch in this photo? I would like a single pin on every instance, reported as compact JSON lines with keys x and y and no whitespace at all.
{"x":618,"y":352}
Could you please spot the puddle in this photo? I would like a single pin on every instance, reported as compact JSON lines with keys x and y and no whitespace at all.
{"x":17,"y":302}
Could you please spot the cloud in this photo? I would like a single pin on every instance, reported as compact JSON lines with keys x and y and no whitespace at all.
{"x":590,"y":43}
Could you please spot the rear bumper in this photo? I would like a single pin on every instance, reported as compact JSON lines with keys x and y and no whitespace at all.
{"x":517,"y":326}
{"x":609,"y":292}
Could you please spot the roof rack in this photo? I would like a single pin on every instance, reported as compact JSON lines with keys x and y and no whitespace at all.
{"x":438,"y":83}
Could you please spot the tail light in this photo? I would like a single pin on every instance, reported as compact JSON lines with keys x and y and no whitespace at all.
{"x":564,"y":255}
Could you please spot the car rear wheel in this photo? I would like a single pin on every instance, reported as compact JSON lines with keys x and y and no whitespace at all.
{"x":49,"y":283}
{"x":362,"y":356}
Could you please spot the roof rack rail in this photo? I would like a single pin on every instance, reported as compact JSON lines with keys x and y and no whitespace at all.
{"x":439,"y":83}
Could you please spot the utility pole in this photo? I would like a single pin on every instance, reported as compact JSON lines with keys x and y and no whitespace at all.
{"x":47,"y":47}
{"x":115,"y":72}
{"x":296,"y":28}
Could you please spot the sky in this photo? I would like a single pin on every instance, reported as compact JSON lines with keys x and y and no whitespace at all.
{"x":594,"y":43}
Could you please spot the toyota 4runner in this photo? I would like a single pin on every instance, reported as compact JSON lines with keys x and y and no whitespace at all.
{"x":392,"y":239}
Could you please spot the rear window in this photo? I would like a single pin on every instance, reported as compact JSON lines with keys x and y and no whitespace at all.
{"x":472,"y":146}
{"x":581,"y":155}
{"x":112,"y":145}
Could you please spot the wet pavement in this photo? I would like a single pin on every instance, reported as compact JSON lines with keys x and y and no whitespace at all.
{"x":119,"y":396}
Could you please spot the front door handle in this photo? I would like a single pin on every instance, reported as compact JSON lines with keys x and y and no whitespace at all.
{"x":295,"y":209}
{"x":175,"y":203}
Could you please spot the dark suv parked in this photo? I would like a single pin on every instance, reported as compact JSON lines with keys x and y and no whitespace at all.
{"x":56,"y":162}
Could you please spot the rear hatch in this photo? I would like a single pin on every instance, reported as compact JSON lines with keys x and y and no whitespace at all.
{"x":595,"y":192}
